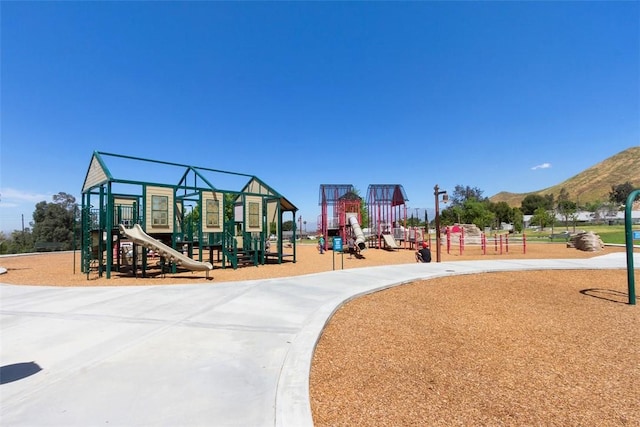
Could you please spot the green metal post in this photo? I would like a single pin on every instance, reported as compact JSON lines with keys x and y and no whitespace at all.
{"x":101,"y":228}
{"x":629,"y":244}
{"x":295,"y":245}
{"x":109,"y":230}
{"x":86,"y":234}
{"x":83,"y":237}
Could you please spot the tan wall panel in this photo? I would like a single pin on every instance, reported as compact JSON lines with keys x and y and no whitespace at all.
{"x":159,"y":191}
{"x":256,"y":202}
{"x":272,"y":215}
{"x":95,"y":175}
{"x":255,"y":187}
{"x":203,"y":215}
{"x":123,"y":202}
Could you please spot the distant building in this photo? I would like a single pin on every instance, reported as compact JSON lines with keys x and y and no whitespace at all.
{"x":586,"y":217}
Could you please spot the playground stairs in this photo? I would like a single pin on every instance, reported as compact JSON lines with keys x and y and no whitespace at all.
{"x":242,"y":250}
{"x":240,"y":257}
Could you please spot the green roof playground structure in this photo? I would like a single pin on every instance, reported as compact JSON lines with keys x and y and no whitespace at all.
{"x":134,"y":221}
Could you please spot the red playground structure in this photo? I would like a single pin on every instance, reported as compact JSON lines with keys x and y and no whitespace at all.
{"x":340,"y":215}
{"x":386,"y":204}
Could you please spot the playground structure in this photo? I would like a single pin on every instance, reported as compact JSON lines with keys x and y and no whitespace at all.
{"x":466,"y":236}
{"x":184,"y":223}
{"x":386,"y":204}
{"x":386,"y":218}
{"x":387,"y":223}
{"x":340,"y":217}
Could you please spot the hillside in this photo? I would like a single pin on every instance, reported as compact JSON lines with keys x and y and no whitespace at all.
{"x":592,"y":184}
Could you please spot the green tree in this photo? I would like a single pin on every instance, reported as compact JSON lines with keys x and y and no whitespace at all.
{"x":531,"y":202}
{"x":457,"y":211}
{"x":229,"y":203}
{"x":413,"y":221}
{"x":463,"y":193}
{"x":566,"y":208}
{"x":54,"y":222}
{"x":66,"y":201}
{"x":549,"y":201}
{"x":619,"y":193}
{"x":503,"y":212}
{"x":19,"y":242}
{"x":518,"y":220}
{"x":4,"y":243}
{"x":471,"y":211}
{"x":476,"y":212}
{"x":364,"y":212}
{"x":287,"y":226}
{"x":542,"y":217}
{"x":450,"y":216}
{"x":192,"y":220}
{"x":593,"y":206}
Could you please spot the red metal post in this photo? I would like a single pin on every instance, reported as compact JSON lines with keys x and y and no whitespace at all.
{"x":448,"y":241}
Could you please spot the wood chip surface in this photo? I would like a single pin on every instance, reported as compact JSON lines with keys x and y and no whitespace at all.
{"x":557,"y":348}
{"x":63,"y":268}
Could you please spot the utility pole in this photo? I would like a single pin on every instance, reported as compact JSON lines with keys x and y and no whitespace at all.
{"x":445,"y":198}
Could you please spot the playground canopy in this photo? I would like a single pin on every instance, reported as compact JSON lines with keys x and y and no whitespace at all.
{"x":386,"y":194}
{"x":121,"y":171}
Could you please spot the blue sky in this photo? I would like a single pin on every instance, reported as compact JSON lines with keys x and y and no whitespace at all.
{"x":503,"y":96}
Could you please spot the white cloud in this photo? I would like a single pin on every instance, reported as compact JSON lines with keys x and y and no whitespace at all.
{"x":11,"y":196}
{"x":542,"y":166}
{"x":17,"y":206}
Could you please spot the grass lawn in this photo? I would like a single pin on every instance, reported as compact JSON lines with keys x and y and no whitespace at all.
{"x":612,"y":234}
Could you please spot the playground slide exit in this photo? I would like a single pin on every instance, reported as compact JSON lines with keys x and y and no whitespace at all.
{"x":138,"y":236}
{"x":390,"y":241}
{"x":358,"y":232}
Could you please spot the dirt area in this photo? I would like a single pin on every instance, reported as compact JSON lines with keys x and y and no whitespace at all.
{"x":57,"y":268}
{"x":549,"y":348}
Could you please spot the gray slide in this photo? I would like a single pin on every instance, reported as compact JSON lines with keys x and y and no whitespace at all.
{"x":353,"y":221}
{"x":138,"y":236}
{"x":390,"y":241}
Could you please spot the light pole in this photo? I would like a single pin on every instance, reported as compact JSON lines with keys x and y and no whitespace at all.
{"x":445,"y":198}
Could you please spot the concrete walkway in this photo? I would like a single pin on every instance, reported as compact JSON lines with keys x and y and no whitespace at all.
{"x":223,"y":354}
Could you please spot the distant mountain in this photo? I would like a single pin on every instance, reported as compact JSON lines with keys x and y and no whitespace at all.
{"x":591,"y":185}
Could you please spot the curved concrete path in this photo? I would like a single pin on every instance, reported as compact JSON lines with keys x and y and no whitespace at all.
{"x":227,"y":354}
